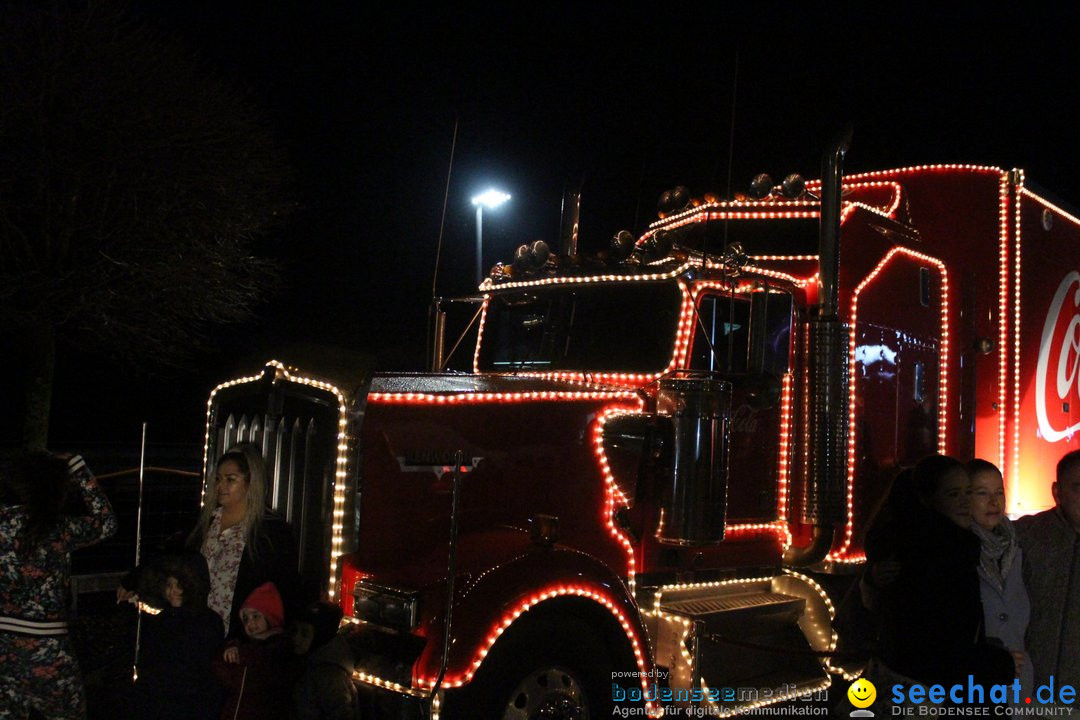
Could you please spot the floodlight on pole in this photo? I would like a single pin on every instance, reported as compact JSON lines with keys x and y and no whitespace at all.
{"x":490,"y":199}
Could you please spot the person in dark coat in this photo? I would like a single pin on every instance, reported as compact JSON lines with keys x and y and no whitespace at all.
{"x":326,"y":690}
{"x":244,"y":543}
{"x":1051,"y":543}
{"x":930,"y":613}
{"x":180,"y":637}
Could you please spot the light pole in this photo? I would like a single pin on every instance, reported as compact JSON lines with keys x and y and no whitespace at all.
{"x":491,"y":199}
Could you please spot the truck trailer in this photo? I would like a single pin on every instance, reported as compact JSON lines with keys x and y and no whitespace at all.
{"x":654,"y":485}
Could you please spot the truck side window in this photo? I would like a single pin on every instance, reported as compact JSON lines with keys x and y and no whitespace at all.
{"x":728,"y":322}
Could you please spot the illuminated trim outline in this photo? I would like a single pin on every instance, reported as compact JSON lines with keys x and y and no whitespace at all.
{"x":751,"y":270}
{"x":292,"y":375}
{"x":765,"y":209}
{"x":919,"y":169}
{"x":682,"y":339}
{"x":898,"y":193}
{"x":466,"y":398}
{"x":480,"y":334}
{"x":784,"y":461}
{"x":805,"y":420}
{"x":524,"y":606}
{"x":784,"y":258}
{"x":488,"y":285}
{"x":614,"y":495}
{"x":1015,"y":477}
{"x":1003,"y":315}
{"x":703,"y":214}
{"x":943,"y":381}
{"x":780,"y":525}
{"x":378,"y":682}
{"x":826,"y":662}
{"x":768,"y":209}
{"x":1047,"y":204}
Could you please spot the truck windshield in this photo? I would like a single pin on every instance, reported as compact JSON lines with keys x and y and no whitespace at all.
{"x":604,"y":327}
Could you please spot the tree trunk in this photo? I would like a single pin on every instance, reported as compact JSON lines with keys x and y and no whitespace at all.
{"x":39,"y":360}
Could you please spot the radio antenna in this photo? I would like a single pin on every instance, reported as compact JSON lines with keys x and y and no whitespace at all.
{"x":442,"y":222}
{"x":731,"y":135}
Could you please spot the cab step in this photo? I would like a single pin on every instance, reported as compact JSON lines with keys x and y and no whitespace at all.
{"x":742,"y":610}
{"x":746,"y":643}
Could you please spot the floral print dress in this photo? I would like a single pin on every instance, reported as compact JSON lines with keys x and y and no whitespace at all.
{"x":223,"y":550}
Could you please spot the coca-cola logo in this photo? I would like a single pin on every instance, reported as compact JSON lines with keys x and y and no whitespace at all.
{"x":744,"y":419}
{"x":1059,"y":358}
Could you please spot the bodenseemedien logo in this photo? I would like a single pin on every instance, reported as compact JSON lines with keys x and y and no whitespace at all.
{"x":862,"y":694}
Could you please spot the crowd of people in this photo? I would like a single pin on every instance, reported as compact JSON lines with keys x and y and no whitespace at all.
{"x":952,"y":588}
{"x":223,"y":632}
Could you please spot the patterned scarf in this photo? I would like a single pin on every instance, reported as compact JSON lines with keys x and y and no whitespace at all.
{"x":998,"y":550}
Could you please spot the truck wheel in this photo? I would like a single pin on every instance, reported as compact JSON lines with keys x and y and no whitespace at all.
{"x":552,"y":692}
{"x":563,"y":672}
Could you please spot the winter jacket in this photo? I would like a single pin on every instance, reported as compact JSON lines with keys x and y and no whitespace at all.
{"x":326,"y":690}
{"x":1052,"y":575}
{"x":175,"y":681}
{"x":1007,"y":613}
{"x":260,"y":686}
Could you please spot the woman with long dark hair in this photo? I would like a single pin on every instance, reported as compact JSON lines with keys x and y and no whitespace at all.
{"x":38,"y":668}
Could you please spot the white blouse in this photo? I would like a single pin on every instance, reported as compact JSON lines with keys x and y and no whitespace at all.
{"x":223,"y":550}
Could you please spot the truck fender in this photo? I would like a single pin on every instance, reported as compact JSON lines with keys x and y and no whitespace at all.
{"x":525,"y":589}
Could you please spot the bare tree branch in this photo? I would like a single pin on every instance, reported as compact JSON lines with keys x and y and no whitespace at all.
{"x":135,"y":183}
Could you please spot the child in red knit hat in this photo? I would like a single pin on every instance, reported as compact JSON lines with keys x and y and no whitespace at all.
{"x":258,"y":671}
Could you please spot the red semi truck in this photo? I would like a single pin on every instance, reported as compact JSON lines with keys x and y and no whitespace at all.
{"x":658,"y":476}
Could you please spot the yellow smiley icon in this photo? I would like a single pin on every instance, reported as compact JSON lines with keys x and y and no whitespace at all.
{"x":862,"y":693}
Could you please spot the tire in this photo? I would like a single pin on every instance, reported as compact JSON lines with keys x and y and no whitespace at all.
{"x":556,"y":671}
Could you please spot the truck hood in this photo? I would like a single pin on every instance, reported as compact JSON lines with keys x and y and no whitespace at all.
{"x":455,"y":383}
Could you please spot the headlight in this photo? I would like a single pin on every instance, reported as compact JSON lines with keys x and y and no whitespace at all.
{"x":384,"y":606}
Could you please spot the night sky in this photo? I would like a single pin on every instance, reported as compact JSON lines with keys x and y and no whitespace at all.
{"x":365,"y":101}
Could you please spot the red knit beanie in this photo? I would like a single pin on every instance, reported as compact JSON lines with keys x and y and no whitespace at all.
{"x":267,"y":600}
